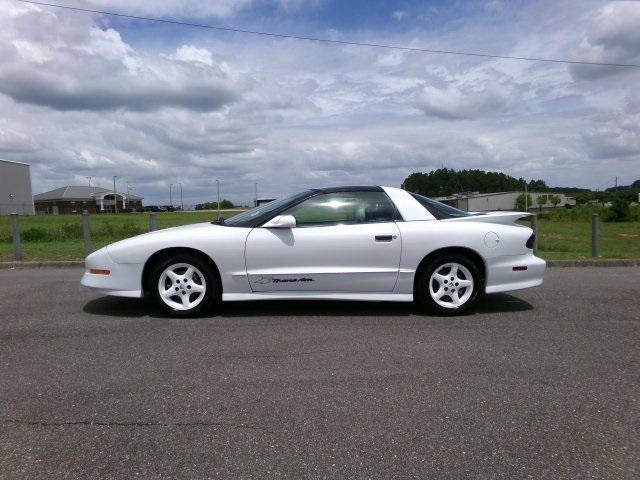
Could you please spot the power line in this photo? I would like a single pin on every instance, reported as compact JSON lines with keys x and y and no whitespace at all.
{"x":327,"y":40}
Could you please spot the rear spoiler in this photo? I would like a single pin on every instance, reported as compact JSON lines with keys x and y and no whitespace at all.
{"x":501,"y":217}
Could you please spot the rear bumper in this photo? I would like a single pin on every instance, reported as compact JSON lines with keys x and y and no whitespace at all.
{"x":501,"y":276}
{"x":124,"y":279}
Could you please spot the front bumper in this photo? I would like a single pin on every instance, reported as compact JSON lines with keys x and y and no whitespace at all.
{"x":124,"y":279}
{"x":501,"y":276}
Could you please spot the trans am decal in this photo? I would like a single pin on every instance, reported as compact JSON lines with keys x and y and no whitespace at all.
{"x":265,"y":280}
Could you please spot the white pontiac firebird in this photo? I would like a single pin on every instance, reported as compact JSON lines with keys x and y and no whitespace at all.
{"x":346,"y":243}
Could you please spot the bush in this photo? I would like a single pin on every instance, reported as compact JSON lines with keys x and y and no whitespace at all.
{"x":521,"y":201}
{"x":619,"y":211}
{"x":581,"y":213}
{"x":34,"y":234}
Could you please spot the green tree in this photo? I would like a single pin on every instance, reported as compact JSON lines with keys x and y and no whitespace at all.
{"x":555,"y":200}
{"x":541,"y":200}
{"x":445,"y":181}
{"x":582,"y":198}
{"x":224,"y":204}
{"x":619,"y":211}
{"x":603,"y":197}
{"x":523,"y":203}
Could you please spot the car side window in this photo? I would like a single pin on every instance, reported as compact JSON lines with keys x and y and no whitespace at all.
{"x":343,"y":208}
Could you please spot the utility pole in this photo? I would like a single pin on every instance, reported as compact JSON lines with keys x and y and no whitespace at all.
{"x":526,"y":198}
{"x":115,"y":199}
{"x":616,"y":188}
{"x":94,"y":188}
{"x":255,"y":194}
{"x":171,"y":194}
{"x":218,"y":188}
{"x":181,"y":202}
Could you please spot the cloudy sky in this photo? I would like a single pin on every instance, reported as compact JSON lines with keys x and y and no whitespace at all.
{"x":92,"y":95}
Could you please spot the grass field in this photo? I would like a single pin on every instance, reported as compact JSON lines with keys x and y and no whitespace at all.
{"x":572,"y":240}
{"x":60,"y":237}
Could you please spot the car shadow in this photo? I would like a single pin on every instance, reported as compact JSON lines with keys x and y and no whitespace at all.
{"x":135,"y":307}
{"x":121,"y":307}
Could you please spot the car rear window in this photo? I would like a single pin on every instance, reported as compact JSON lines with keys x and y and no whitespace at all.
{"x":438,"y":209}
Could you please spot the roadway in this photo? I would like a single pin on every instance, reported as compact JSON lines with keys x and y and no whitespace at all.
{"x":542,"y":383}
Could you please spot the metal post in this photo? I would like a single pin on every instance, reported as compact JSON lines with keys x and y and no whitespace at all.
{"x":255,"y":194}
{"x":181,"y":202}
{"x":595,"y":235}
{"x":171,"y":194}
{"x":86,"y":232}
{"x":115,"y":199}
{"x":153,"y":221}
{"x":534,"y":226}
{"x":15,"y":226}
{"x":218,"y":188}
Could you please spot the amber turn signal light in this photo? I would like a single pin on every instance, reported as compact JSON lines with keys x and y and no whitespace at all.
{"x":100,"y":271}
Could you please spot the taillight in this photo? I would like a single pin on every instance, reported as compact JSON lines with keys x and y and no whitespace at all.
{"x":531,"y":241}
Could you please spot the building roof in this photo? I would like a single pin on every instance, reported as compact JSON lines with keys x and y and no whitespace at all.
{"x":456,"y":196}
{"x":13,"y":161}
{"x":77,"y":193}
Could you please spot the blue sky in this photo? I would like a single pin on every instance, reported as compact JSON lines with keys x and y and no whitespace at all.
{"x":157,"y":104}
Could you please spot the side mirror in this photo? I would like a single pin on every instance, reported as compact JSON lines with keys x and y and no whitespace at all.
{"x":281,"y":221}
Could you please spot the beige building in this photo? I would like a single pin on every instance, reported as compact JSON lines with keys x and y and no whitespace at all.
{"x":484,"y":202}
{"x":15,"y":188}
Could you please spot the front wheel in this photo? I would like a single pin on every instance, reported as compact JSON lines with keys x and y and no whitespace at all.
{"x":449,"y":285}
{"x":184,"y":285}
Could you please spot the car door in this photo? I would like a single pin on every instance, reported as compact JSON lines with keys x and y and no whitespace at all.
{"x":342,"y":242}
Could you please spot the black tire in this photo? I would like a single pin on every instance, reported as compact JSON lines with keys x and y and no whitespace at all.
{"x":422,"y":294}
{"x":212,"y":291}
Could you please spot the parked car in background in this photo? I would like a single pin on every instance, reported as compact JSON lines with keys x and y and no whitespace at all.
{"x":153,"y":208}
{"x":346,"y":243}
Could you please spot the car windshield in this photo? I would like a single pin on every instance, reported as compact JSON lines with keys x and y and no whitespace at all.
{"x":255,"y":216}
{"x":438,"y":209}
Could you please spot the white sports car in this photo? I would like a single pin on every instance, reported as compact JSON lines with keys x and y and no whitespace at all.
{"x":346,"y":243}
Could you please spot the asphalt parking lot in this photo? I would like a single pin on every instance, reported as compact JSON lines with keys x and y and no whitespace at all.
{"x":543,"y":383}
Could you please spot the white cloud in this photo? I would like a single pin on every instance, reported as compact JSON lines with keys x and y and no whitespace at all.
{"x":453,"y":103}
{"x":399,"y":15}
{"x":80,"y":99}
{"x":74,"y":65}
{"x":613,"y":36}
{"x":190,"y":53}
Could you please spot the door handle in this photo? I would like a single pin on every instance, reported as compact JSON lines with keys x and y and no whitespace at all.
{"x":384,"y":238}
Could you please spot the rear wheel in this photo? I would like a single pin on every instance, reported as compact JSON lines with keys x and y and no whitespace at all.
{"x":449,"y":284}
{"x":184,"y":285}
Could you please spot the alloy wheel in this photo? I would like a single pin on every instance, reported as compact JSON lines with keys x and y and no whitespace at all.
{"x":182,"y":286}
{"x":451,"y":285}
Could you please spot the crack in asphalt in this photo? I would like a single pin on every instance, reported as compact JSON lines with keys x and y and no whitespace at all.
{"x":41,"y":423}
